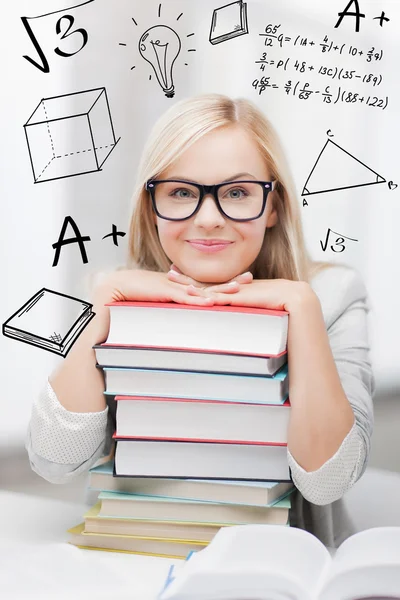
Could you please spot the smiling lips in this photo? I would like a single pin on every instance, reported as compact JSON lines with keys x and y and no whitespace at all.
{"x":209,"y":245}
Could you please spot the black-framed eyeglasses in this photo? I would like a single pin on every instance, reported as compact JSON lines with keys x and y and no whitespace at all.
{"x":178,"y":200}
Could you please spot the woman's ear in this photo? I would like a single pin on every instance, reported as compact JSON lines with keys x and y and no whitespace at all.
{"x":273,"y":213}
{"x":272,"y":219}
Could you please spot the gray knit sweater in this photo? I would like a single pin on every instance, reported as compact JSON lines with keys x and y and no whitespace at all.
{"x":62,"y":444}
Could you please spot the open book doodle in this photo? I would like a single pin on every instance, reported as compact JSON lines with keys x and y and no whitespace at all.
{"x":49,"y":320}
{"x":271,"y":562}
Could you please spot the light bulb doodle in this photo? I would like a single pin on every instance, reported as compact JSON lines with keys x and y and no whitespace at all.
{"x":160,"y":46}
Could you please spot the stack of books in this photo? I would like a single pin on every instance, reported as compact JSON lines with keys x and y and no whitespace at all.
{"x":202,"y":413}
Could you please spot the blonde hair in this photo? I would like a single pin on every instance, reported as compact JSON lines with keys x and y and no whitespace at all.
{"x":283,"y":252}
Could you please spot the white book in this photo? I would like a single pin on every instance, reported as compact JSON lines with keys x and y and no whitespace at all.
{"x":141,"y":357}
{"x":207,"y":420}
{"x":199,"y":460}
{"x":270,"y":562}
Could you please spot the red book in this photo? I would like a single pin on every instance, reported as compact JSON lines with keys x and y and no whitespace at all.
{"x":255,"y":331}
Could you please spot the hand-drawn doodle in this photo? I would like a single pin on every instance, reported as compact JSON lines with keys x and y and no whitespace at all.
{"x":35,"y":323}
{"x":228,"y":21}
{"x":114,"y":234}
{"x":347,"y":13}
{"x":339,"y":241}
{"x":160,"y":46}
{"x":70,"y":135}
{"x":358,"y":15}
{"x":63,"y":26}
{"x":63,"y":241}
{"x":336,"y":169}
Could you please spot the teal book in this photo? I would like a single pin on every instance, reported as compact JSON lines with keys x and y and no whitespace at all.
{"x":222,"y":387}
{"x":116,"y":505}
{"x":253,"y":493}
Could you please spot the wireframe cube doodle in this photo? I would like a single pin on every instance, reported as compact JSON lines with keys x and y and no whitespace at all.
{"x":70,"y":135}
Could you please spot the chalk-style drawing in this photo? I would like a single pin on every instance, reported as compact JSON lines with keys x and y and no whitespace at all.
{"x":228,"y":22}
{"x":339,"y":242}
{"x":70,"y":135}
{"x":49,"y":320}
{"x":336,"y":169}
{"x":160,"y":46}
{"x":64,"y":27}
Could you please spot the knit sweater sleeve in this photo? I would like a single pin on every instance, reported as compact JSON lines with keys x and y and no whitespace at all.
{"x":62,"y":444}
{"x":348,"y":337}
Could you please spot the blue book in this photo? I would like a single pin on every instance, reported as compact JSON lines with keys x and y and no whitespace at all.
{"x":223,"y":387}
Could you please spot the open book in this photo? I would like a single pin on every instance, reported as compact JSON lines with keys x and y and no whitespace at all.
{"x":271,"y":562}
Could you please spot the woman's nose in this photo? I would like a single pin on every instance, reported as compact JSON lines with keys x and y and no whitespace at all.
{"x":208,"y":212}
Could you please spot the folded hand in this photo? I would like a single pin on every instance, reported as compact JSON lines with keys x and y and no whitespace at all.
{"x":198,"y":288}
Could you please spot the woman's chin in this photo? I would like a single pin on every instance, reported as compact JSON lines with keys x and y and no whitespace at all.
{"x":211,"y":278}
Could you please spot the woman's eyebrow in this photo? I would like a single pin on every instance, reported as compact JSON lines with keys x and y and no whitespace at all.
{"x":239,"y":175}
{"x":231,"y":178}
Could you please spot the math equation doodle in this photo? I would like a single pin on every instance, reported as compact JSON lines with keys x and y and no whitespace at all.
{"x":69,"y":135}
{"x":339,"y":243}
{"x":228,"y":22}
{"x":69,"y":39}
{"x":336,"y":169}
{"x":160,"y":46}
{"x":50,"y":320}
{"x":311,"y":67}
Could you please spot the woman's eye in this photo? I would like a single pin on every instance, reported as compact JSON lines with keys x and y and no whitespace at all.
{"x":236,"y":193}
{"x":182,"y":193}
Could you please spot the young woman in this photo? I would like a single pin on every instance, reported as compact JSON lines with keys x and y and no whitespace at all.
{"x":238,"y":242}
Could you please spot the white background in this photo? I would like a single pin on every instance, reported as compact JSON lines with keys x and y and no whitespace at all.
{"x":33,"y":214}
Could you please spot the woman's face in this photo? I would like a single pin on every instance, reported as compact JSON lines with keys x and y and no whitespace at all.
{"x":225,"y":154}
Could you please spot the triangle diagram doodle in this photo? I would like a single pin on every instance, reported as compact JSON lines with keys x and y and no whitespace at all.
{"x":337,"y":169}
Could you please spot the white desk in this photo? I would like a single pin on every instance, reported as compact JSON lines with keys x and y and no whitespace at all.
{"x":36,"y":561}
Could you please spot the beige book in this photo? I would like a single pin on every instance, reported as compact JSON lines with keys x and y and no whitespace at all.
{"x":153,"y":546}
{"x":114,"y":504}
{"x":203,"y":532}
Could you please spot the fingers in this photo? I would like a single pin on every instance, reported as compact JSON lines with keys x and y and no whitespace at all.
{"x":244,"y":277}
{"x":183,"y":279}
{"x":216,"y":297}
{"x":227,"y":288}
{"x":175,"y":268}
{"x":185,"y":297}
